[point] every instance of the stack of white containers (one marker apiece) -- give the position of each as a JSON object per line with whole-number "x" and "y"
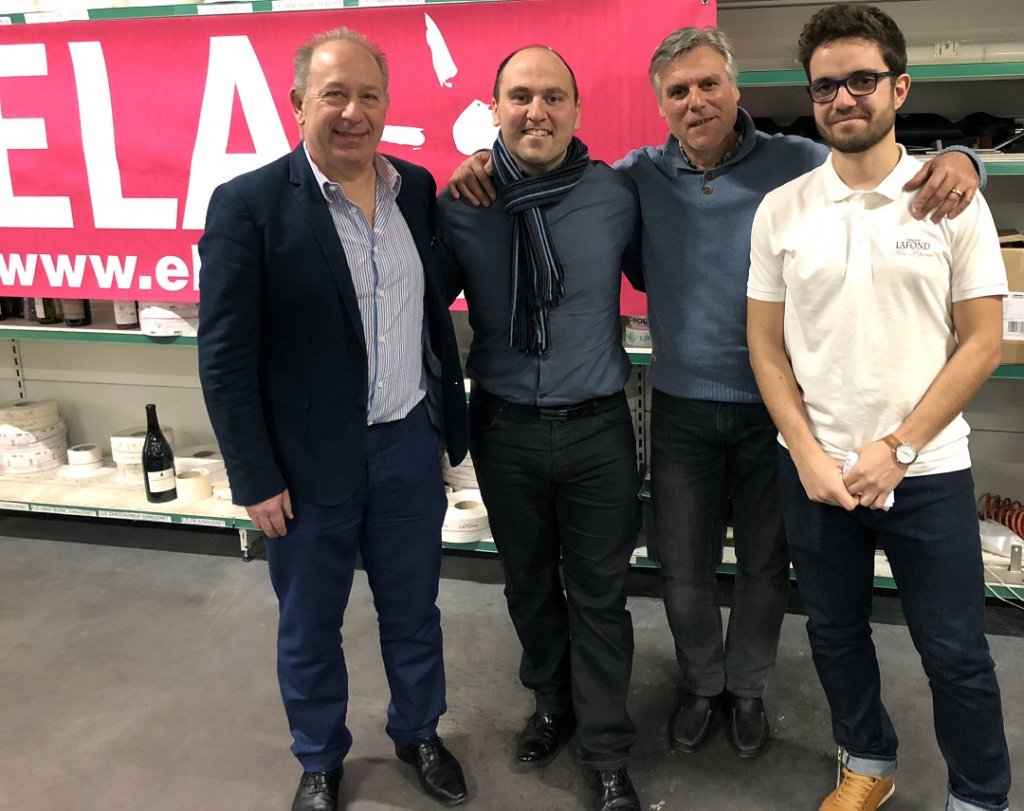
{"x": 126, "y": 451}
{"x": 33, "y": 437}
{"x": 466, "y": 518}
{"x": 168, "y": 319}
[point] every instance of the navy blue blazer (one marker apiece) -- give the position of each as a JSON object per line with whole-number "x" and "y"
{"x": 282, "y": 358}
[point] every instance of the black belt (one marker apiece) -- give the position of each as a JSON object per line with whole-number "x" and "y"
{"x": 531, "y": 413}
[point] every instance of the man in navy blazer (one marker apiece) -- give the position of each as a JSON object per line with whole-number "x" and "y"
{"x": 331, "y": 375}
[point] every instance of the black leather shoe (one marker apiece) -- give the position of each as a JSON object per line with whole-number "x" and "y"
{"x": 690, "y": 726}
{"x": 317, "y": 791}
{"x": 746, "y": 725}
{"x": 615, "y": 791}
{"x": 543, "y": 737}
{"x": 439, "y": 772}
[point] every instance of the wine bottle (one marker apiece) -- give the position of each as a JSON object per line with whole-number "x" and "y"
{"x": 77, "y": 312}
{"x": 157, "y": 461}
{"x": 12, "y": 307}
{"x": 126, "y": 314}
{"x": 46, "y": 311}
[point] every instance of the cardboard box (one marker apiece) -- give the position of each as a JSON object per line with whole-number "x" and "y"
{"x": 1013, "y": 307}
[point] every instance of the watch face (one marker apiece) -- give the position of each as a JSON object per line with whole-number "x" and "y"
{"x": 905, "y": 453}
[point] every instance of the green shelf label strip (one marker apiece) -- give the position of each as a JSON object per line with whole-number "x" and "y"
{"x": 953, "y": 71}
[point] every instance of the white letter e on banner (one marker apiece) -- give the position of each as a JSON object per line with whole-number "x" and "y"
{"x": 26, "y": 133}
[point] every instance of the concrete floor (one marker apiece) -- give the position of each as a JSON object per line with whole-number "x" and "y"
{"x": 136, "y": 678}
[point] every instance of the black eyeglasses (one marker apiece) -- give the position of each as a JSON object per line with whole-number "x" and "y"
{"x": 862, "y": 83}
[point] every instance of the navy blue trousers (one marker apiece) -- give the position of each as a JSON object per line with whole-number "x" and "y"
{"x": 394, "y": 522}
{"x": 930, "y": 537}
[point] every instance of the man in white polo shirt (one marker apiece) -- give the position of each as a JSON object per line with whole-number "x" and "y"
{"x": 869, "y": 331}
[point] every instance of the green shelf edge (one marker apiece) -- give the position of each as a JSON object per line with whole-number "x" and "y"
{"x": 961, "y": 71}
{"x": 484, "y": 548}
{"x": 1009, "y": 372}
{"x": 157, "y": 517}
{"x": 86, "y": 335}
{"x": 994, "y": 168}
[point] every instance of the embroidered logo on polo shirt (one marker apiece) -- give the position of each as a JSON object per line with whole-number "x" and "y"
{"x": 913, "y": 247}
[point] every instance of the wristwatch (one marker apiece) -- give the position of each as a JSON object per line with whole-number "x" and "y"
{"x": 905, "y": 453}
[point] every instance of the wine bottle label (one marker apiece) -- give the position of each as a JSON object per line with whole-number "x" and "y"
{"x": 161, "y": 480}
{"x": 125, "y": 313}
{"x": 74, "y": 309}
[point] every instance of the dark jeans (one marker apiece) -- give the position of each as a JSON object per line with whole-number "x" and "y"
{"x": 704, "y": 454}
{"x": 566, "y": 490}
{"x": 930, "y": 537}
{"x": 395, "y": 523}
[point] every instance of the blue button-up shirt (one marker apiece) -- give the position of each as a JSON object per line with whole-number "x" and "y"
{"x": 388, "y": 277}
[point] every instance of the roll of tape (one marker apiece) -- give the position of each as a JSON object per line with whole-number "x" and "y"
{"x": 461, "y": 482}
{"x": 448, "y": 489}
{"x": 193, "y": 485}
{"x": 126, "y": 444}
{"x": 210, "y": 451}
{"x": 28, "y": 414}
{"x": 466, "y": 536}
{"x": 30, "y": 459}
{"x": 82, "y": 470}
{"x": 169, "y": 327}
{"x": 13, "y": 437}
{"x": 465, "y": 466}
{"x": 466, "y": 512}
{"x": 168, "y": 309}
{"x": 205, "y": 456}
{"x": 85, "y": 455}
{"x": 131, "y": 473}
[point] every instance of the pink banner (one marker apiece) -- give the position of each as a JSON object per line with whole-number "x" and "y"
{"x": 114, "y": 134}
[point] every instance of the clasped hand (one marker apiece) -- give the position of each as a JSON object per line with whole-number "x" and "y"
{"x": 867, "y": 484}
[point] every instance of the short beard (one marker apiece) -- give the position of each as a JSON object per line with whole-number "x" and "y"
{"x": 878, "y": 128}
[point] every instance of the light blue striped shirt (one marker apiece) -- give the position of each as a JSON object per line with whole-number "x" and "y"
{"x": 388, "y": 278}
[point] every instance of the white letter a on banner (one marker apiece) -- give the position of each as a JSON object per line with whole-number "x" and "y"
{"x": 110, "y": 208}
{"x": 233, "y": 65}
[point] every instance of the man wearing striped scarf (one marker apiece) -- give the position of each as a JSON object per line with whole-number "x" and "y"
{"x": 550, "y": 432}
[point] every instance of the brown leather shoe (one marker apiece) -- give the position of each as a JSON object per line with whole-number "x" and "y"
{"x": 543, "y": 737}
{"x": 439, "y": 772}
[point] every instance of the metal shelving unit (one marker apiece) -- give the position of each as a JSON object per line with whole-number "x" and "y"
{"x": 996, "y": 163}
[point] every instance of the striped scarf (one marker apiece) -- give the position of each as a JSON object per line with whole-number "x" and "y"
{"x": 538, "y": 281}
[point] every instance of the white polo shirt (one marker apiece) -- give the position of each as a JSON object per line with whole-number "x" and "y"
{"x": 868, "y": 292}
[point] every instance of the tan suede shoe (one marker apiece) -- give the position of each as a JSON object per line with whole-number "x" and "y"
{"x": 859, "y": 792}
